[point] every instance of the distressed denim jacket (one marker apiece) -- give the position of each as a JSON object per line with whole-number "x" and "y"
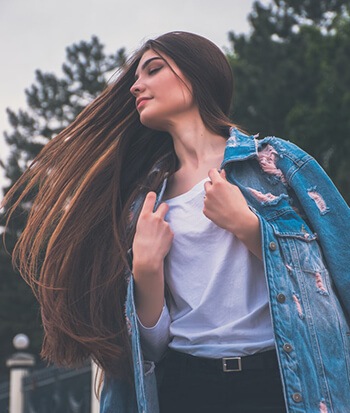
{"x": 305, "y": 230}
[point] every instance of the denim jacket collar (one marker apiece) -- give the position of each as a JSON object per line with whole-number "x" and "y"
{"x": 239, "y": 146}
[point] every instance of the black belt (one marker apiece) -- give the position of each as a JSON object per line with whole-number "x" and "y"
{"x": 258, "y": 361}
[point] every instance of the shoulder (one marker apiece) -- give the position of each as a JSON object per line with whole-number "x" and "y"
{"x": 271, "y": 146}
{"x": 285, "y": 149}
{"x": 283, "y": 145}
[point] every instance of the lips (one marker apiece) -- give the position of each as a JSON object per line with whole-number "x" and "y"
{"x": 141, "y": 101}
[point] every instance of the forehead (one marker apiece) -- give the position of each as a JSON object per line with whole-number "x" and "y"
{"x": 151, "y": 55}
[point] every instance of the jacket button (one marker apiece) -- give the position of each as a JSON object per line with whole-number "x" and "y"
{"x": 272, "y": 246}
{"x": 281, "y": 298}
{"x": 297, "y": 397}
{"x": 287, "y": 347}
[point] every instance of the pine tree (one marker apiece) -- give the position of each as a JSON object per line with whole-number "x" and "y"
{"x": 292, "y": 78}
{"x": 52, "y": 103}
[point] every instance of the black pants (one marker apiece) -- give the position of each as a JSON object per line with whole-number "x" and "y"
{"x": 192, "y": 387}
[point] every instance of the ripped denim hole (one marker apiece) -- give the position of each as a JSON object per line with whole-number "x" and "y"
{"x": 298, "y": 305}
{"x": 323, "y": 407}
{"x": 319, "y": 283}
{"x": 268, "y": 198}
{"x": 319, "y": 201}
{"x": 289, "y": 268}
{"x": 267, "y": 159}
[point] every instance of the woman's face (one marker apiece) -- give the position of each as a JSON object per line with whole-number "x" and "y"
{"x": 163, "y": 94}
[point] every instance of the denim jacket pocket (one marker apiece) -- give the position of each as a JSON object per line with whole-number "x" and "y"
{"x": 298, "y": 242}
{"x": 287, "y": 223}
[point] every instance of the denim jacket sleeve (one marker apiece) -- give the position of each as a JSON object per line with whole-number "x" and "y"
{"x": 325, "y": 208}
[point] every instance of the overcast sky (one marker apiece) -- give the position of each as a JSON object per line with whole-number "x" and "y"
{"x": 35, "y": 33}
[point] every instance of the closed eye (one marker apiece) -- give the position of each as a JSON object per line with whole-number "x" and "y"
{"x": 154, "y": 70}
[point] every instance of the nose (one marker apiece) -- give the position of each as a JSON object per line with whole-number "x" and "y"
{"x": 136, "y": 88}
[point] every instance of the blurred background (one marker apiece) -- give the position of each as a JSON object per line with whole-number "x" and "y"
{"x": 290, "y": 61}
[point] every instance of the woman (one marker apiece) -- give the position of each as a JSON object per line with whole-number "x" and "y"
{"x": 229, "y": 255}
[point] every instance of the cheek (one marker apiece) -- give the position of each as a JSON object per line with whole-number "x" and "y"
{"x": 175, "y": 92}
{"x": 178, "y": 100}
{"x": 181, "y": 91}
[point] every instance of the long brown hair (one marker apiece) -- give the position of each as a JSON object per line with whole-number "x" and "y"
{"x": 73, "y": 250}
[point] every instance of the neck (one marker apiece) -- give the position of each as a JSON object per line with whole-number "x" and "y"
{"x": 195, "y": 145}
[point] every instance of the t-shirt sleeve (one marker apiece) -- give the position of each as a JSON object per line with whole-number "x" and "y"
{"x": 155, "y": 340}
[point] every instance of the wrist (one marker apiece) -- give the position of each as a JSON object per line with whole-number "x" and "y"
{"x": 147, "y": 266}
{"x": 247, "y": 226}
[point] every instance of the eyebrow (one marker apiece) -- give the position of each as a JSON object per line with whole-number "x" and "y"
{"x": 147, "y": 62}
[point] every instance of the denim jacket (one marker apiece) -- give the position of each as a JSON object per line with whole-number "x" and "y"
{"x": 305, "y": 231}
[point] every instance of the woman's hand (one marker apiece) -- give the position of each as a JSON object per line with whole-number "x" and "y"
{"x": 153, "y": 235}
{"x": 152, "y": 242}
{"x": 225, "y": 205}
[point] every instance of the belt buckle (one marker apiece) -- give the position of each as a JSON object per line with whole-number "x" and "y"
{"x": 227, "y": 369}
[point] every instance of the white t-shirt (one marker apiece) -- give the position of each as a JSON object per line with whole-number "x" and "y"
{"x": 218, "y": 305}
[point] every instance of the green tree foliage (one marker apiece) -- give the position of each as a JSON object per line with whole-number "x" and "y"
{"x": 292, "y": 78}
{"x": 53, "y": 102}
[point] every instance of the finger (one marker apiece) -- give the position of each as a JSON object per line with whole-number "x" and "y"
{"x": 223, "y": 174}
{"x": 207, "y": 185}
{"x": 214, "y": 175}
{"x": 148, "y": 203}
{"x": 162, "y": 210}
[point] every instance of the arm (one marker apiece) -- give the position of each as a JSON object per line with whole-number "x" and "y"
{"x": 152, "y": 242}
{"x": 155, "y": 339}
{"x": 149, "y": 293}
{"x": 328, "y": 213}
